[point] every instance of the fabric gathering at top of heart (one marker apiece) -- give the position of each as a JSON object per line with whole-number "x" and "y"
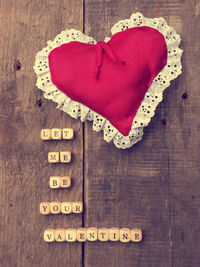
{"x": 117, "y": 82}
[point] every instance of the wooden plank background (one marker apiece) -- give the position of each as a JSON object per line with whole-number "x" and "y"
{"x": 154, "y": 185}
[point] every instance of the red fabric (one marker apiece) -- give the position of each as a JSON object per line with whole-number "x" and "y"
{"x": 111, "y": 79}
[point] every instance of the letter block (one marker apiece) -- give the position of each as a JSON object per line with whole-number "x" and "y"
{"x": 66, "y": 207}
{"x": 92, "y": 234}
{"x": 56, "y": 134}
{"x": 77, "y": 207}
{"x": 55, "y": 207}
{"x": 136, "y": 235}
{"x": 71, "y": 235}
{"x": 125, "y": 235}
{"x": 60, "y": 235}
{"x": 53, "y": 157}
{"x": 65, "y": 181}
{"x": 44, "y": 208}
{"x": 67, "y": 133}
{"x": 114, "y": 234}
{"x": 103, "y": 234}
{"x": 54, "y": 182}
{"x": 49, "y": 235}
{"x": 81, "y": 234}
{"x": 65, "y": 156}
{"x": 45, "y": 134}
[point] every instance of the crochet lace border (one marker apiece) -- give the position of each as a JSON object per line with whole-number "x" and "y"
{"x": 152, "y": 98}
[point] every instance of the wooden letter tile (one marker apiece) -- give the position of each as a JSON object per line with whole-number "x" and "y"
{"x": 114, "y": 234}
{"x": 136, "y": 235}
{"x": 66, "y": 207}
{"x": 65, "y": 181}
{"x": 53, "y": 157}
{"x": 68, "y": 133}
{"x": 44, "y": 208}
{"x": 54, "y": 182}
{"x": 56, "y": 134}
{"x": 92, "y": 234}
{"x": 125, "y": 235}
{"x": 81, "y": 234}
{"x": 60, "y": 235}
{"x": 71, "y": 235}
{"x": 55, "y": 207}
{"x": 103, "y": 234}
{"x": 45, "y": 134}
{"x": 65, "y": 157}
{"x": 77, "y": 207}
{"x": 49, "y": 235}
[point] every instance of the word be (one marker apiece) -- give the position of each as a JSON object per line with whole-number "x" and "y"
{"x": 93, "y": 234}
{"x": 56, "y": 157}
{"x": 61, "y": 207}
{"x": 59, "y": 182}
{"x": 57, "y": 134}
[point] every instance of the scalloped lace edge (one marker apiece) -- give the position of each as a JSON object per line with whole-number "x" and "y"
{"x": 153, "y": 97}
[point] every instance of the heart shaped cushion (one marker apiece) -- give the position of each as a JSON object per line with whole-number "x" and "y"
{"x": 95, "y": 76}
{"x": 117, "y": 84}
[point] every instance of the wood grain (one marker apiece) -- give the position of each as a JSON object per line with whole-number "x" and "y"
{"x": 25, "y": 28}
{"x": 153, "y": 185}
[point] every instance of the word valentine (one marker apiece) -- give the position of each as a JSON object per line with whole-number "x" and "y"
{"x": 60, "y": 207}
{"x": 57, "y": 134}
{"x": 93, "y": 234}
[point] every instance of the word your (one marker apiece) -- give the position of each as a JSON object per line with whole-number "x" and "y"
{"x": 93, "y": 234}
{"x": 57, "y": 134}
{"x": 61, "y": 207}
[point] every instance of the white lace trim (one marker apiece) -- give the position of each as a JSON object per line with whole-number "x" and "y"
{"x": 152, "y": 98}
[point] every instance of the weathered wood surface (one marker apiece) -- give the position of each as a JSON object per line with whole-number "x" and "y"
{"x": 154, "y": 185}
{"x": 25, "y": 28}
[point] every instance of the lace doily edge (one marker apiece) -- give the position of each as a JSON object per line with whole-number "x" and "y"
{"x": 141, "y": 119}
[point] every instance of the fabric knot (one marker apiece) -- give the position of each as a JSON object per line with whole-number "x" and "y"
{"x": 101, "y": 47}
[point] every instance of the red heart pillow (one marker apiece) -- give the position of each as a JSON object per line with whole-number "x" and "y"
{"x": 116, "y": 90}
{"x": 117, "y": 84}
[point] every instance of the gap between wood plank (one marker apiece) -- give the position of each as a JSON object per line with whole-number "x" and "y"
{"x": 83, "y": 164}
